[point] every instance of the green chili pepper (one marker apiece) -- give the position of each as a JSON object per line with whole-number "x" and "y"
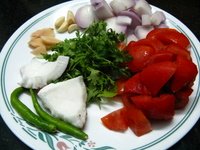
{"x": 61, "y": 125}
{"x": 27, "y": 114}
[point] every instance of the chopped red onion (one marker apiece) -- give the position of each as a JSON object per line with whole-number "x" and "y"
{"x": 142, "y": 31}
{"x": 112, "y": 23}
{"x": 142, "y": 7}
{"x": 119, "y": 5}
{"x": 85, "y": 16}
{"x": 131, "y": 37}
{"x": 101, "y": 9}
{"x": 157, "y": 18}
{"x": 124, "y": 20}
{"x": 146, "y": 20}
{"x": 135, "y": 18}
{"x": 162, "y": 25}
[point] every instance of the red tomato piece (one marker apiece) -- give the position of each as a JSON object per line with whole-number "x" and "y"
{"x": 130, "y": 45}
{"x": 153, "y": 43}
{"x": 182, "y": 97}
{"x": 136, "y": 119}
{"x": 185, "y": 73}
{"x": 155, "y": 76}
{"x": 161, "y": 56}
{"x": 134, "y": 86}
{"x": 141, "y": 55}
{"x": 116, "y": 120}
{"x": 120, "y": 86}
{"x": 169, "y": 36}
{"x": 161, "y": 108}
{"x": 177, "y": 50}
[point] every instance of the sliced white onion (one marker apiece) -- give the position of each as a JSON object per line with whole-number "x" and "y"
{"x": 119, "y": 5}
{"x": 157, "y": 18}
{"x": 146, "y": 20}
{"x": 142, "y": 7}
{"x": 101, "y": 9}
{"x": 142, "y": 31}
{"x": 112, "y": 23}
{"x": 135, "y": 18}
{"x": 85, "y": 16}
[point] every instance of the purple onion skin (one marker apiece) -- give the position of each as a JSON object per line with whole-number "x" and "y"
{"x": 136, "y": 20}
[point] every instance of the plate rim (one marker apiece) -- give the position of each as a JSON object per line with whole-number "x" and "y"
{"x": 25, "y": 27}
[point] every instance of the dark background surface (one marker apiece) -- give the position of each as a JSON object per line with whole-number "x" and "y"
{"x": 14, "y": 13}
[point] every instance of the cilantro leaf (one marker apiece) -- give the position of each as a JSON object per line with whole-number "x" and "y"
{"x": 94, "y": 55}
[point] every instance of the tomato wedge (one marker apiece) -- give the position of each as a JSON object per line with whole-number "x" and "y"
{"x": 120, "y": 86}
{"x": 134, "y": 86}
{"x": 136, "y": 119}
{"x": 153, "y": 43}
{"x": 169, "y": 36}
{"x": 155, "y": 76}
{"x": 115, "y": 120}
{"x": 160, "y": 56}
{"x": 182, "y": 97}
{"x": 177, "y": 50}
{"x": 185, "y": 73}
{"x": 141, "y": 55}
{"x": 161, "y": 108}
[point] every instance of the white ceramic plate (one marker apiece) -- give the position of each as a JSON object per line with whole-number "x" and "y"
{"x": 16, "y": 53}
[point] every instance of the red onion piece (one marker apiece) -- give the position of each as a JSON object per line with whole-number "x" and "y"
{"x": 112, "y": 23}
{"x": 146, "y": 20}
{"x": 124, "y": 20}
{"x": 131, "y": 37}
{"x": 119, "y": 5}
{"x": 157, "y": 18}
{"x": 85, "y": 16}
{"x": 142, "y": 31}
{"x": 101, "y": 9}
{"x": 135, "y": 18}
{"x": 162, "y": 25}
{"x": 142, "y": 7}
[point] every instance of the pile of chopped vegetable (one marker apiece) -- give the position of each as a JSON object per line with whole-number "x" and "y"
{"x": 153, "y": 72}
{"x": 163, "y": 75}
{"x": 95, "y": 55}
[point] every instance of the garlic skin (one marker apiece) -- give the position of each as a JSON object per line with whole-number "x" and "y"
{"x": 40, "y": 72}
{"x": 66, "y": 100}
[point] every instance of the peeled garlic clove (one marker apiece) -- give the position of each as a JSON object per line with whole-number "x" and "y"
{"x": 70, "y": 17}
{"x": 49, "y": 40}
{"x": 73, "y": 27}
{"x": 35, "y": 42}
{"x": 43, "y": 32}
{"x": 59, "y": 22}
{"x": 39, "y": 50}
{"x": 63, "y": 27}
